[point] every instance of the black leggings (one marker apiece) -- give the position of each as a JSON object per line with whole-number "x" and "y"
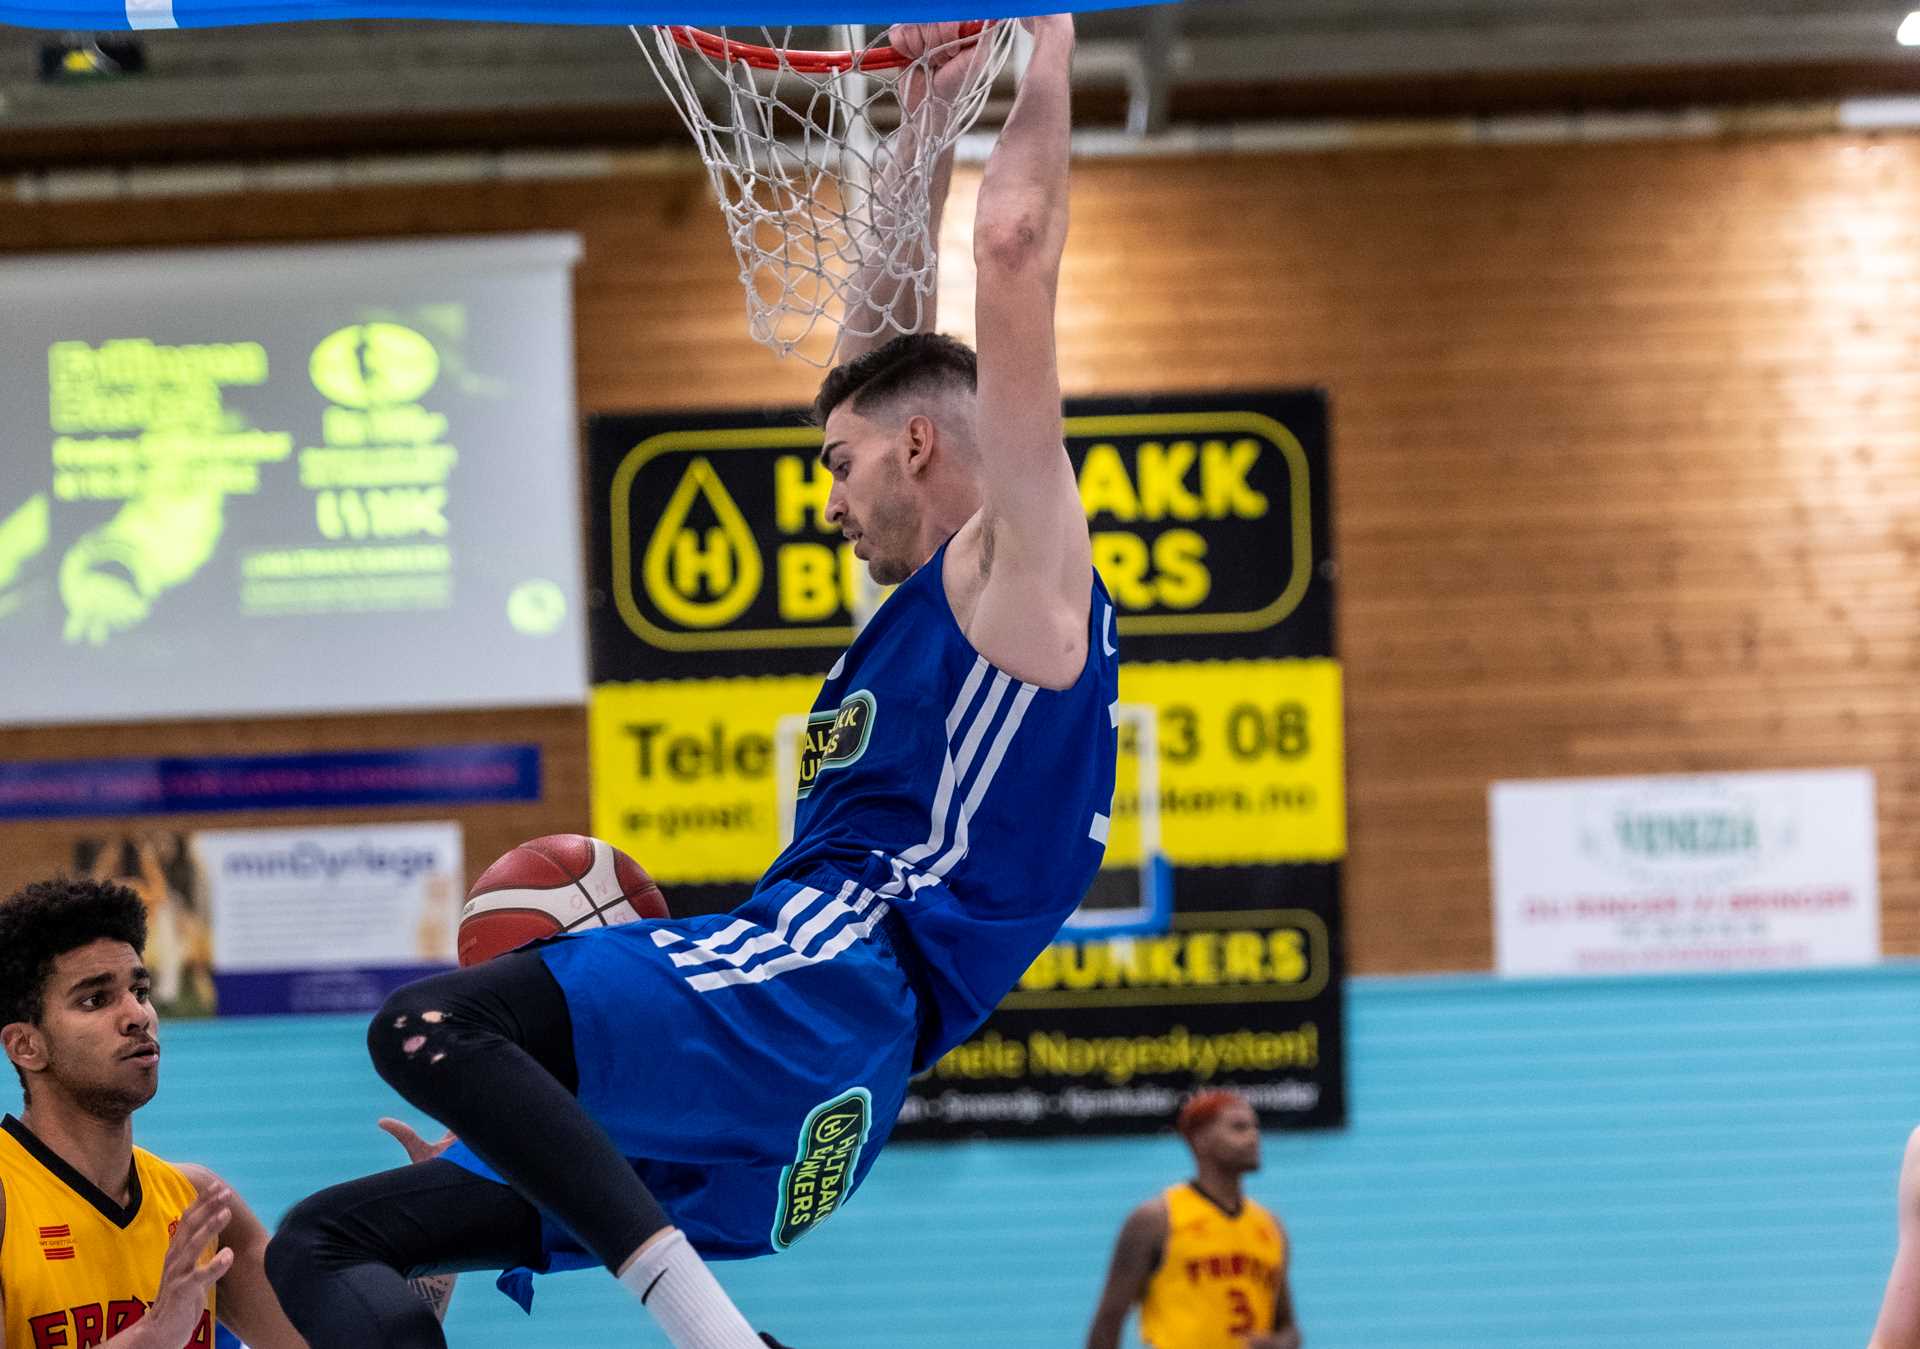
{"x": 488, "y": 1052}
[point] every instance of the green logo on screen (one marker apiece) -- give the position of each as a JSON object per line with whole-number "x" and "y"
{"x": 821, "y": 1176}
{"x": 373, "y": 365}
{"x": 536, "y": 608}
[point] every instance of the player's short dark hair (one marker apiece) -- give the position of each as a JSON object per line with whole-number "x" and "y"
{"x": 910, "y": 363}
{"x": 45, "y": 920}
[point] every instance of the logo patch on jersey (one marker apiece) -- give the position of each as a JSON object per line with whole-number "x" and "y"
{"x": 821, "y": 1176}
{"x": 56, "y": 1243}
{"x": 837, "y": 738}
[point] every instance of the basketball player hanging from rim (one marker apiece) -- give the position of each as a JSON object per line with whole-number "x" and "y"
{"x": 716, "y": 1086}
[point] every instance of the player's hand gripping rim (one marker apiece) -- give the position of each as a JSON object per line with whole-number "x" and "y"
{"x": 945, "y": 55}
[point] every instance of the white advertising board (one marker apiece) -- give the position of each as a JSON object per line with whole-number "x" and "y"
{"x": 1598, "y": 876}
{"x": 328, "y": 919}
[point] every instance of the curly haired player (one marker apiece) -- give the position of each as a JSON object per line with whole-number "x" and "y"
{"x": 102, "y": 1242}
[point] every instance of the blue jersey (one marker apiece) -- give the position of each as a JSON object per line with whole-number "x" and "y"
{"x": 974, "y": 805}
{"x": 950, "y": 819}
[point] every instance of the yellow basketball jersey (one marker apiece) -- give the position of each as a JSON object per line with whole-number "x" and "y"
{"x": 75, "y": 1267}
{"x": 1217, "y": 1277}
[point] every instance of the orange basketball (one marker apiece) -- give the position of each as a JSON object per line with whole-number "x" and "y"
{"x": 550, "y": 885}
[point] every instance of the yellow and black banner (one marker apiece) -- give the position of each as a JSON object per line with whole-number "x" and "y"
{"x": 1208, "y": 952}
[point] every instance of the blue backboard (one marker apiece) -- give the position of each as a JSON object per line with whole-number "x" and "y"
{"x": 104, "y": 15}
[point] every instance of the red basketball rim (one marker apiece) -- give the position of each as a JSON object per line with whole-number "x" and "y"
{"x": 728, "y": 50}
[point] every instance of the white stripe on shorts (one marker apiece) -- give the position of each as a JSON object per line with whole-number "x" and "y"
{"x": 707, "y": 950}
{"x": 710, "y": 980}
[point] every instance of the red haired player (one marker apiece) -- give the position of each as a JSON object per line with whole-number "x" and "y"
{"x": 1207, "y": 1265}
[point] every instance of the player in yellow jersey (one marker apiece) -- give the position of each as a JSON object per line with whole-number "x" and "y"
{"x": 101, "y": 1242}
{"x": 1207, "y": 1265}
{"x": 1899, "y": 1324}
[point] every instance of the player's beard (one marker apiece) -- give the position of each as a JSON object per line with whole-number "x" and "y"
{"x": 891, "y": 532}
{"x": 1235, "y": 1161}
{"x": 103, "y": 1099}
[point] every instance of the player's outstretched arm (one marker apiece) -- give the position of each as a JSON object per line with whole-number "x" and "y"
{"x": 1034, "y": 550}
{"x": 1899, "y": 1324}
{"x": 1142, "y": 1237}
{"x": 247, "y": 1304}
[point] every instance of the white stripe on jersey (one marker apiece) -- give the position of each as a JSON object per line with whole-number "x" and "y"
{"x": 903, "y": 865}
{"x": 965, "y": 721}
{"x": 959, "y": 708}
{"x": 952, "y": 856}
{"x": 971, "y": 745}
{"x": 950, "y": 771}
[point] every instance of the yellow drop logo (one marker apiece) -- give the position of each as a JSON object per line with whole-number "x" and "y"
{"x": 374, "y": 365}
{"x": 702, "y": 578}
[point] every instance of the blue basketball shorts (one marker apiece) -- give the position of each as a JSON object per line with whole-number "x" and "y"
{"x": 750, "y": 1064}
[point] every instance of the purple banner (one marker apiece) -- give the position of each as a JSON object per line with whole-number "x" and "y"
{"x": 278, "y": 992}
{"x": 439, "y": 775}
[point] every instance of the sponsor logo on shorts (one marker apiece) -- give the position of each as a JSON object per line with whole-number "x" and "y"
{"x": 821, "y": 1176}
{"x": 837, "y": 738}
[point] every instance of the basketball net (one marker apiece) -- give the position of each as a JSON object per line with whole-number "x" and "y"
{"x": 824, "y": 163}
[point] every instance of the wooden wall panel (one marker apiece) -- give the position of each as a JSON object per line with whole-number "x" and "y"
{"x": 1627, "y": 446}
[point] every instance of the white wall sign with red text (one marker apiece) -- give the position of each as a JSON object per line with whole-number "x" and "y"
{"x": 1599, "y": 876}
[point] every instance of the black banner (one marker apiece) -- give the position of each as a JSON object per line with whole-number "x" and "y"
{"x": 1208, "y": 952}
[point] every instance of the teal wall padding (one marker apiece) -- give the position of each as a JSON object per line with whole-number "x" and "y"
{"x": 1666, "y": 1163}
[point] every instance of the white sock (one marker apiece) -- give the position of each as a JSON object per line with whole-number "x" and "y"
{"x": 687, "y": 1302}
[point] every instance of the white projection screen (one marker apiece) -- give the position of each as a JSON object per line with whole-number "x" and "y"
{"x": 289, "y": 480}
